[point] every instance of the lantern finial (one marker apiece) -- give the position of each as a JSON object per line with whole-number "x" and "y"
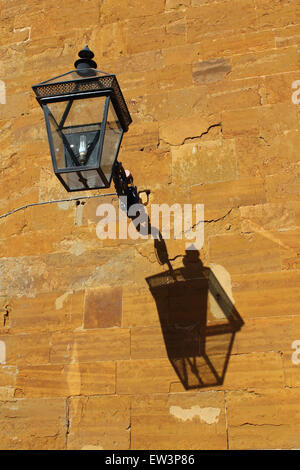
{"x": 85, "y": 61}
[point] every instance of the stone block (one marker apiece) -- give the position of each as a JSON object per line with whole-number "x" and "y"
{"x": 207, "y": 162}
{"x": 155, "y": 32}
{"x": 147, "y": 343}
{"x": 237, "y": 98}
{"x": 265, "y": 334}
{"x": 139, "y": 308}
{"x": 287, "y": 36}
{"x": 47, "y": 312}
{"x": 178, "y": 131}
{"x": 193, "y": 421}
{"x": 183, "y": 54}
{"x": 90, "y": 346}
{"x": 64, "y": 381}
{"x": 172, "y": 77}
{"x": 206, "y": 20}
{"x": 248, "y": 253}
{"x": 288, "y": 241}
{"x": 278, "y": 87}
{"x": 113, "y": 11}
{"x": 26, "y": 349}
{"x": 267, "y": 294}
{"x": 270, "y": 216}
{"x": 103, "y": 308}
{"x": 263, "y": 419}
{"x": 143, "y": 166}
{"x": 276, "y": 14}
{"x": 33, "y": 424}
{"x": 219, "y": 198}
{"x": 8, "y": 375}
{"x": 141, "y": 136}
{"x": 16, "y": 105}
{"x": 282, "y": 187}
{"x": 261, "y": 370}
{"x": 144, "y": 376}
{"x": 264, "y": 63}
{"x": 101, "y": 423}
{"x": 267, "y": 155}
{"x": 235, "y": 43}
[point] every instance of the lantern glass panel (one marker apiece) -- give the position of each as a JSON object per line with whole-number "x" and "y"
{"x": 112, "y": 141}
{"x": 80, "y": 180}
{"x": 76, "y": 130}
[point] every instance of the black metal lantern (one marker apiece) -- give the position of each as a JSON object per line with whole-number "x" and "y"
{"x": 86, "y": 116}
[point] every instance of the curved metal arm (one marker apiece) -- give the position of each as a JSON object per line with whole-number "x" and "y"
{"x": 124, "y": 185}
{"x": 120, "y": 180}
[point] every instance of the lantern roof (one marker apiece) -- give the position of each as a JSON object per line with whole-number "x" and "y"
{"x": 84, "y": 83}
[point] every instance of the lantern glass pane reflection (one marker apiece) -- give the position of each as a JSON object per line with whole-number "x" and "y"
{"x": 112, "y": 141}
{"x": 71, "y": 120}
{"x": 76, "y": 129}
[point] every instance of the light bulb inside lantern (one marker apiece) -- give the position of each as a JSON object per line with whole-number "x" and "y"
{"x": 82, "y": 149}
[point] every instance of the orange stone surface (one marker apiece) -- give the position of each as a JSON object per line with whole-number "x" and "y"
{"x": 99, "y": 347}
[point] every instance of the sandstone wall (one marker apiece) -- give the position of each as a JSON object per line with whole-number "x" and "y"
{"x": 83, "y": 356}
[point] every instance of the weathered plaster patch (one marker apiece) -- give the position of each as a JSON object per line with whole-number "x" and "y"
{"x": 21, "y": 30}
{"x": 2, "y": 92}
{"x": 7, "y": 393}
{"x": 78, "y": 215}
{"x": 224, "y": 279}
{"x": 10, "y": 370}
{"x": 77, "y": 248}
{"x": 64, "y": 205}
{"x": 12, "y": 406}
{"x": 209, "y": 415}
{"x": 61, "y": 300}
{"x": 29, "y": 295}
{"x": 2, "y": 352}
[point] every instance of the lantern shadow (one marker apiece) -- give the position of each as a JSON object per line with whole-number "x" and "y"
{"x": 198, "y": 319}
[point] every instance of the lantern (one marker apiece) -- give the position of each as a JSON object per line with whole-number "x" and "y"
{"x": 86, "y": 116}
